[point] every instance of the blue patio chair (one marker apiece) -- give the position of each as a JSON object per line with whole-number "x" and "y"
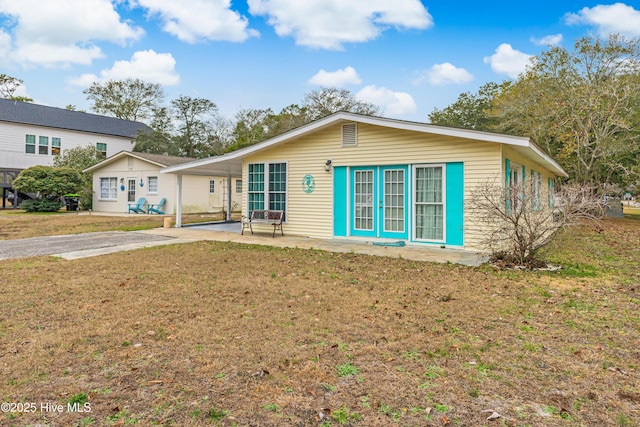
{"x": 138, "y": 207}
{"x": 157, "y": 208}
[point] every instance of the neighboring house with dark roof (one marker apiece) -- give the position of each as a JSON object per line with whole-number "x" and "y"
{"x": 126, "y": 177}
{"x": 32, "y": 135}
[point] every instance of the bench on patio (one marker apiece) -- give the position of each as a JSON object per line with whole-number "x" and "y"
{"x": 265, "y": 217}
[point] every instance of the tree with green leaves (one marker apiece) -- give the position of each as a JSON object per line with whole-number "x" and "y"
{"x": 81, "y": 158}
{"x": 8, "y": 86}
{"x": 582, "y": 106}
{"x": 471, "y": 110}
{"x": 49, "y": 184}
{"x": 129, "y": 99}
{"x": 195, "y": 119}
{"x": 159, "y": 140}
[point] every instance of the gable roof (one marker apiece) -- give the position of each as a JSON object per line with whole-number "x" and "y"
{"x": 40, "y": 115}
{"x": 231, "y": 163}
{"x": 156, "y": 159}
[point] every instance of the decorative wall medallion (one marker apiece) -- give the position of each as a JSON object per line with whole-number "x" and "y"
{"x": 308, "y": 184}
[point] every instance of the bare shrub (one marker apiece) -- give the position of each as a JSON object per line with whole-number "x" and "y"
{"x": 516, "y": 221}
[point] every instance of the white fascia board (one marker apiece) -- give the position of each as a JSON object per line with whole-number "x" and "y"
{"x": 517, "y": 141}
{"x": 292, "y": 134}
{"x": 119, "y": 155}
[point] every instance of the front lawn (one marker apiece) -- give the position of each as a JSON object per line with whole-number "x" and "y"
{"x": 230, "y": 334}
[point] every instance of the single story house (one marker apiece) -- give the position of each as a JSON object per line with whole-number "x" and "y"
{"x": 363, "y": 177}
{"x": 125, "y": 177}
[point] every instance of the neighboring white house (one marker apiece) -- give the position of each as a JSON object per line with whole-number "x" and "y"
{"x": 32, "y": 135}
{"x": 127, "y": 176}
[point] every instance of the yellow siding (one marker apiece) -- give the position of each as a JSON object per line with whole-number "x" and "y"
{"x": 312, "y": 214}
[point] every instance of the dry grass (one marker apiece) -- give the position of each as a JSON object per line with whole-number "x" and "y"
{"x": 18, "y": 225}
{"x": 230, "y": 334}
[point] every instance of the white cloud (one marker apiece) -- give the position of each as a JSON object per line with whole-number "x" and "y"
{"x": 507, "y": 60}
{"x": 550, "y": 40}
{"x": 200, "y": 20}
{"x": 146, "y": 65}
{"x": 59, "y": 33}
{"x": 608, "y": 19}
{"x": 339, "y": 78}
{"x": 328, "y": 24}
{"x": 444, "y": 74}
{"x": 392, "y": 103}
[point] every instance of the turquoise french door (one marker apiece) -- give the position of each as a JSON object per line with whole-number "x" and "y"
{"x": 379, "y": 202}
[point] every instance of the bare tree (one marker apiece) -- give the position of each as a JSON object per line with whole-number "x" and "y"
{"x": 516, "y": 221}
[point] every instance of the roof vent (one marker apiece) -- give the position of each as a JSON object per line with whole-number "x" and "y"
{"x": 349, "y": 135}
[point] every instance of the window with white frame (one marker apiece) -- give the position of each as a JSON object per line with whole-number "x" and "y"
{"x": 515, "y": 183}
{"x": 429, "y": 203}
{"x": 238, "y": 186}
{"x": 109, "y": 188}
{"x": 152, "y": 184}
{"x": 212, "y": 186}
{"x": 30, "y": 144}
{"x": 102, "y": 147}
{"x": 55, "y": 146}
{"x": 267, "y": 186}
{"x": 43, "y": 145}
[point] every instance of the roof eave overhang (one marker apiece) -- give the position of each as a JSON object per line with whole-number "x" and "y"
{"x": 235, "y": 157}
{"x": 119, "y": 155}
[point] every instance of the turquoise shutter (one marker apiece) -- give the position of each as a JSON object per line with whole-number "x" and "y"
{"x": 507, "y": 181}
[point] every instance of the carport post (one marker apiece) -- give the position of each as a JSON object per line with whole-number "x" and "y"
{"x": 230, "y": 198}
{"x": 179, "y": 201}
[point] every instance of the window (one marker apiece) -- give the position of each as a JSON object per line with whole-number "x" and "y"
{"x": 256, "y": 187}
{"x": 238, "y": 186}
{"x": 43, "y": 145}
{"x": 550, "y": 192}
{"x": 102, "y": 147}
{"x": 212, "y": 186}
{"x": 267, "y": 187}
{"x": 535, "y": 190}
{"x": 30, "y": 144}
{"x": 55, "y": 146}
{"x": 515, "y": 185}
{"x": 277, "y": 186}
{"x": 152, "y": 184}
{"x": 109, "y": 188}
{"x": 429, "y": 203}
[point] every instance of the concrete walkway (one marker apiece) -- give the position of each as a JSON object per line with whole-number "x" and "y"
{"x": 231, "y": 233}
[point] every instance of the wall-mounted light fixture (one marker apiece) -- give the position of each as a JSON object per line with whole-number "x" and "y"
{"x": 121, "y": 180}
{"x": 141, "y": 183}
{"x": 327, "y": 165}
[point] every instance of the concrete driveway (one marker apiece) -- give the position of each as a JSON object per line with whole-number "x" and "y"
{"x": 74, "y": 246}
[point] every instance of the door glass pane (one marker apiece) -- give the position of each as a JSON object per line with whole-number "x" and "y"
{"x": 131, "y": 190}
{"x": 394, "y": 200}
{"x": 429, "y": 210}
{"x": 363, "y": 200}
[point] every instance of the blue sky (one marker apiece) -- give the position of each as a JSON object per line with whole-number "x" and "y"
{"x": 407, "y": 56}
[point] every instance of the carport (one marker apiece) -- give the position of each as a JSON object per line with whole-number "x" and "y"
{"x": 228, "y": 165}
